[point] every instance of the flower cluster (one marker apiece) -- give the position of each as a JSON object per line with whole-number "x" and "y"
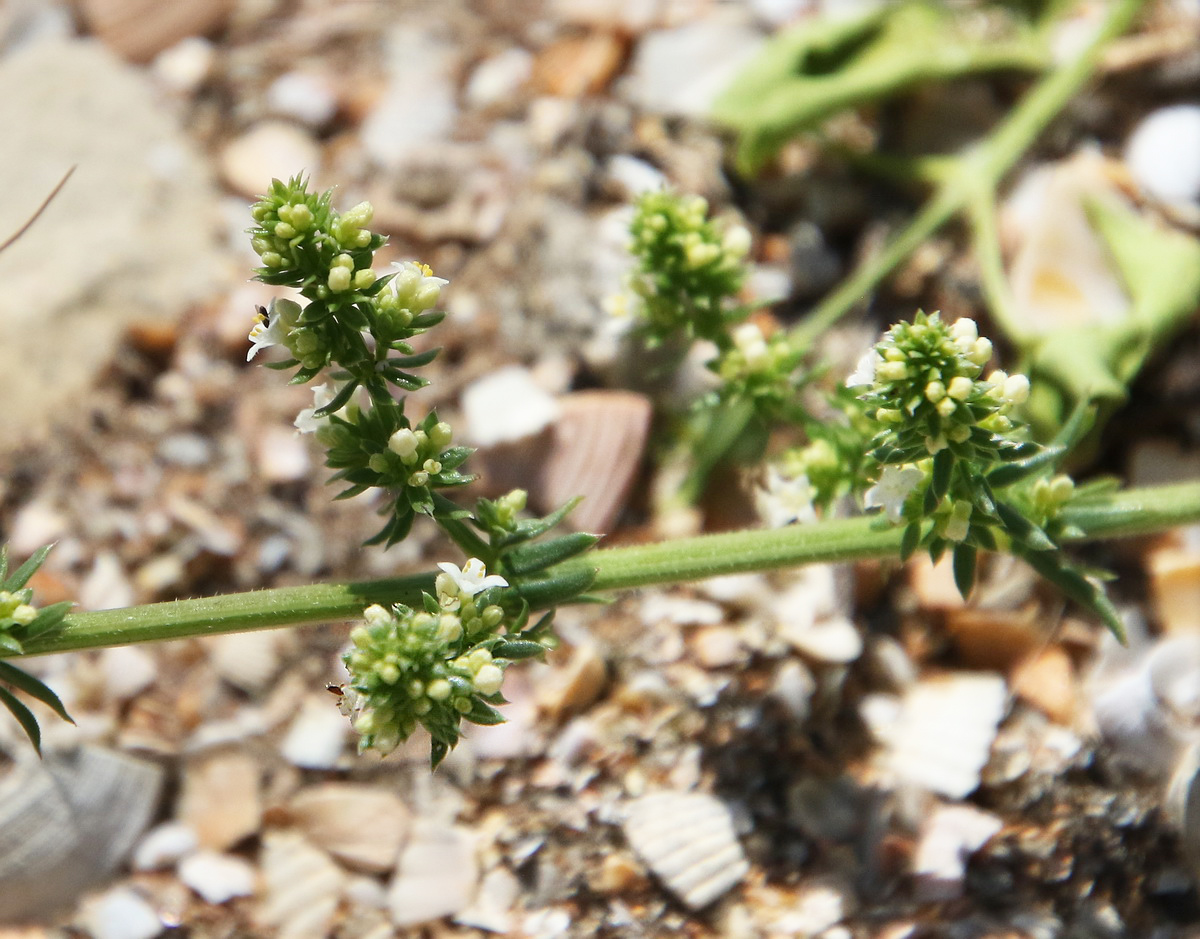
{"x": 687, "y": 267}
{"x": 436, "y": 666}
{"x": 947, "y": 439}
{"x": 358, "y": 327}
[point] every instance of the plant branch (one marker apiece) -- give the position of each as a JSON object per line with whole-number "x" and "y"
{"x": 1134, "y": 512}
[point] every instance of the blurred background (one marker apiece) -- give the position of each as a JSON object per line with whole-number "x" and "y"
{"x": 210, "y": 788}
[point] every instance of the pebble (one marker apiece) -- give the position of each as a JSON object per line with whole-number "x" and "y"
{"x": 248, "y": 661}
{"x": 1163, "y": 154}
{"x": 437, "y": 874}
{"x": 680, "y": 72}
{"x": 718, "y": 647}
{"x": 306, "y": 97}
{"x": 688, "y": 841}
{"x": 362, "y": 826}
{"x": 270, "y": 149}
{"x": 1046, "y": 680}
{"x": 950, "y": 834}
{"x": 164, "y": 845}
{"x": 317, "y": 737}
{"x": 106, "y": 587}
{"x": 301, "y": 887}
{"x": 574, "y": 687}
{"x": 185, "y": 66}
{"x": 217, "y": 878}
{"x": 794, "y": 687}
{"x": 140, "y": 29}
{"x": 417, "y": 108}
{"x": 664, "y": 607}
{"x": 497, "y": 79}
{"x": 220, "y": 798}
{"x": 185, "y": 449}
{"x": 818, "y": 908}
{"x": 938, "y": 735}
{"x": 128, "y": 671}
{"x": 37, "y": 524}
{"x": 834, "y": 640}
{"x": 120, "y": 913}
{"x": 492, "y": 909}
{"x": 505, "y": 406}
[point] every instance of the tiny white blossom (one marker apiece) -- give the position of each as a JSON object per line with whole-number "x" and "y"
{"x": 472, "y": 578}
{"x": 895, "y": 485}
{"x": 864, "y": 371}
{"x": 785, "y": 499}
{"x": 306, "y": 421}
{"x": 414, "y": 287}
{"x": 273, "y": 327}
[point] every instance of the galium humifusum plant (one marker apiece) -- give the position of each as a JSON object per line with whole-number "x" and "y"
{"x": 926, "y": 433}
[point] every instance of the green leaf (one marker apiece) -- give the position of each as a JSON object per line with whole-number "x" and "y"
{"x": 530, "y": 528}
{"x": 21, "y": 575}
{"x": 1079, "y": 588}
{"x": 939, "y": 483}
{"x": 24, "y": 717}
{"x": 484, "y": 714}
{"x": 414, "y": 361}
{"x": 33, "y": 687}
{"x": 1022, "y": 530}
{"x": 910, "y": 541}
{"x": 964, "y": 569}
{"x": 10, "y": 645}
{"x": 518, "y": 649}
{"x": 530, "y": 558}
{"x": 558, "y": 588}
{"x": 1017, "y": 470}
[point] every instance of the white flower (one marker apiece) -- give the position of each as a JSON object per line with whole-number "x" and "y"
{"x": 472, "y": 578}
{"x": 414, "y": 287}
{"x": 306, "y": 421}
{"x": 785, "y": 499}
{"x": 894, "y": 486}
{"x": 958, "y": 525}
{"x": 488, "y": 679}
{"x": 864, "y": 371}
{"x": 273, "y": 327}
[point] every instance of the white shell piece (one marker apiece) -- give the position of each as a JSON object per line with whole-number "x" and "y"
{"x": 949, "y": 836}
{"x": 941, "y": 733}
{"x": 217, "y": 878}
{"x": 437, "y": 874}
{"x": 688, "y": 840}
{"x": 301, "y": 886}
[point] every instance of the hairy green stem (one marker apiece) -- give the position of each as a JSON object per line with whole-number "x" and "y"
{"x": 1136, "y": 511}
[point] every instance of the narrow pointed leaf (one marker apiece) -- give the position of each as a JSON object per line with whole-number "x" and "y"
{"x": 964, "y": 569}
{"x": 24, "y": 717}
{"x": 25, "y": 682}
{"x": 21, "y": 575}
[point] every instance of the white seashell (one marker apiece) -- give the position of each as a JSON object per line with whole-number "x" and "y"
{"x": 120, "y": 913}
{"x": 246, "y": 660}
{"x": 834, "y": 640}
{"x": 505, "y": 406}
{"x": 939, "y": 734}
{"x": 1149, "y": 711}
{"x": 66, "y": 822}
{"x": 363, "y": 826}
{"x": 688, "y": 840}
{"x": 301, "y": 886}
{"x": 436, "y": 875}
{"x": 217, "y": 878}
{"x": 164, "y": 845}
{"x": 949, "y": 836}
{"x": 1163, "y": 153}
{"x": 221, "y": 797}
{"x": 317, "y": 735}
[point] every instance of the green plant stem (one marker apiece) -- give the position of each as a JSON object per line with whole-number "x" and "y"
{"x": 1134, "y": 512}
{"x": 981, "y": 169}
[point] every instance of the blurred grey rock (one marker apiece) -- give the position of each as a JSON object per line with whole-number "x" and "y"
{"x": 132, "y": 235}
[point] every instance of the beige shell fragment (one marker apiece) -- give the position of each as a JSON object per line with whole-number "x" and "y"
{"x": 688, "y": 840}
{"x": 363, "y": 826}
{"x": 938, "y": 736}
{"x": 301, "y": 886}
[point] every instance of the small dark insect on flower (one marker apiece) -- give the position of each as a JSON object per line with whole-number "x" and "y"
{"x": 338, "y": 691}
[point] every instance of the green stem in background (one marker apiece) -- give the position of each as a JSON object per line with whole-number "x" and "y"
{"x": 1134, "y": 512}
{"x": 980, "y": 170}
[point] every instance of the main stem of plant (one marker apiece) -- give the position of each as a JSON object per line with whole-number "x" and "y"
{"x": 1135, "y": 512}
